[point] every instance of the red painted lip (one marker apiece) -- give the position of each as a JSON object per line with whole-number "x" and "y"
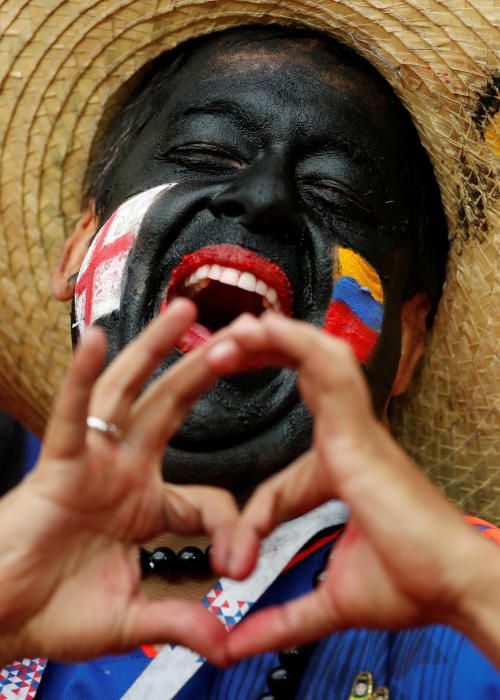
{"x": 234, "y": 256}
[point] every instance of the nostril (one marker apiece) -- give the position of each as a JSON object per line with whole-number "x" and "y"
{"x": 232, "y": 209}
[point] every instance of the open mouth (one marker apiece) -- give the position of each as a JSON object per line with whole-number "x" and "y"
{"x": 225, "y": 281}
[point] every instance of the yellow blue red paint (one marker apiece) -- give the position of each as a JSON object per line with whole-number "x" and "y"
{"x": 356, "y": 309}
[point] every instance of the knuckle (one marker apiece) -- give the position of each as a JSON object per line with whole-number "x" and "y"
{"x": 335, "y": 360}
{"x": 261, "y": 496}
{"x": 152, "y": 354}
{"x": 344, "y": 352}
{"x": 315, "y": 349}
{"x": 106, "y": 395}
{"x": 330, "y": 350}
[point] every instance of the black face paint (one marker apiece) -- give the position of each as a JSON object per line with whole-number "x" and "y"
{"x": 288, "y": 154}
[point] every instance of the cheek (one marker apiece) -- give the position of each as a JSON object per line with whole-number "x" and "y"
{"x": 356, "y": 308}
{"x": 99, "y": 283}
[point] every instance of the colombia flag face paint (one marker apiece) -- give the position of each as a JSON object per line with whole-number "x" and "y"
{"x": 356, "y": 308}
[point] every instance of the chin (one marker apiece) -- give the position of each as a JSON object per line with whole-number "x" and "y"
{"x": 240, "y": 467}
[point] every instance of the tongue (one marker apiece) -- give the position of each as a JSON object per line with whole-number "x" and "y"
{"x": 194, "y": 337}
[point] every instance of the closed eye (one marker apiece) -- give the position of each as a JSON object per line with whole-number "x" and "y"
{"x": 334, "y": 192}
{"x": 204, "y": 155}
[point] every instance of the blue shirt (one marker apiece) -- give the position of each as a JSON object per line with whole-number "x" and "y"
{"x": 429, "y": 663}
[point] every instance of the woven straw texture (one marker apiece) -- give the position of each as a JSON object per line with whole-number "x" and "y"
{"x": 61, "y": 65}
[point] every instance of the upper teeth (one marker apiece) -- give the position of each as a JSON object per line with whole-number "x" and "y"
{"x": 234, "y": 278}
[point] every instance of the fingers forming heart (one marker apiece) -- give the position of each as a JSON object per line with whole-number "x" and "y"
{"x": 346, "y": 438}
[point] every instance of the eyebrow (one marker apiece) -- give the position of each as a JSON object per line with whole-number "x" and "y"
{"x": 336, "y": 145}
{"x": 225, "y": 108}
{"x": 249, "y": 122}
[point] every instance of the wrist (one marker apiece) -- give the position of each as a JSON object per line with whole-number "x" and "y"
{"x": 477, "y": 614}
{"x": 25, "y": 572}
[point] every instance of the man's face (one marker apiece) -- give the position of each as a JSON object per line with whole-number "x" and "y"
{"x": 289, "y": 172}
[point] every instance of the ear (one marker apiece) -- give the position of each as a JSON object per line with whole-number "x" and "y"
{"x": 73, "y": 253}
{"x": 413, "y": 332}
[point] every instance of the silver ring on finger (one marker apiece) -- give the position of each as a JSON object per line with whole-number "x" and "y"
{"x": 109, "y": 429}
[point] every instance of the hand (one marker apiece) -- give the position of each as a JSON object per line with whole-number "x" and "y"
{"x": 69, "y": 571}
{"x": 407, "y": 558}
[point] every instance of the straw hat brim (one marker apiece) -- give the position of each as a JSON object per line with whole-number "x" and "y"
{"x": 63, "y": 67}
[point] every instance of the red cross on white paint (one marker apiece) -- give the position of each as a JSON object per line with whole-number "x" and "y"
{"x": 99, "y": 284}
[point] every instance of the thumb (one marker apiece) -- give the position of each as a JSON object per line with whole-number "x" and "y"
{"x": 175, "y": 621}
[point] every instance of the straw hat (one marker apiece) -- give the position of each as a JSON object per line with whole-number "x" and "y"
{"x": 62, "y": 63}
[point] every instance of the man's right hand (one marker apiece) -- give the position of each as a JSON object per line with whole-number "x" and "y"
{"x": 69, "y": 534}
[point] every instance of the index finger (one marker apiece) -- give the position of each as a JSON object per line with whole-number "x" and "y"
{"x": 67, "y": 428}
{"x": 120, "y": 383}
{"x": 159, "y": 411}
{"x": 326, "y": 364}
{"x": 292, "y": 492}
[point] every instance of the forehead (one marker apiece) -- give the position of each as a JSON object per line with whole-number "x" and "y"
{"x": 282, "y": 65}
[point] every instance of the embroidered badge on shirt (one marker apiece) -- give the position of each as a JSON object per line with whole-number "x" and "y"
{"x": 362, "y": 688}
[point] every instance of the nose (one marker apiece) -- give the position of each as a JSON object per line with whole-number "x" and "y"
{"x": 262, "y": 198}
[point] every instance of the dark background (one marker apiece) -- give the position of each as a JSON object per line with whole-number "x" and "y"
{"x": 18, "y": 452}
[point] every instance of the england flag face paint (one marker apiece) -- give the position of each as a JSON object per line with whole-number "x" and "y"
{"x": 98, "y": 287}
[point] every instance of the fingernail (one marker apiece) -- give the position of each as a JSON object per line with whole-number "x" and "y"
{"x": 223, "y": 350}
{"x": 218, "y": 551}
{"x": 178, "y": 301}
{"x": 228, "y": 559}
{"x": 233, "y": 565}
{"x": 241, "y": 549}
